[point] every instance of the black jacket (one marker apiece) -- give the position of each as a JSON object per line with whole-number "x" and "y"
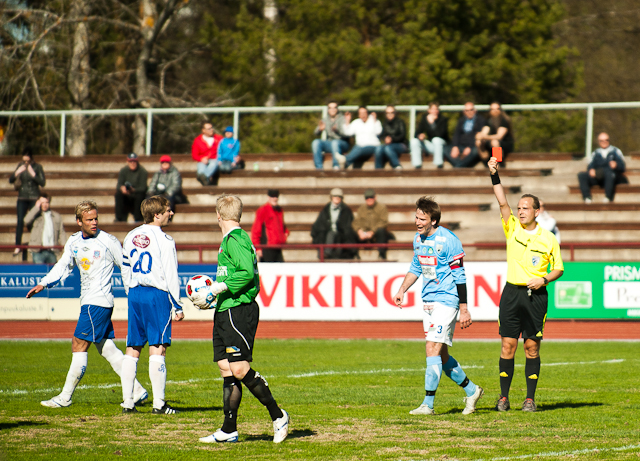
{"x": 346, "y": 234}
{"x": 395, "y": 128}
{"x": 462, "y": 139}
{"x": 441, "y": 129}
{"x": 30, "y": 187}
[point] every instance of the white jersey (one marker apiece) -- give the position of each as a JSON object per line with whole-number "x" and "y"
{"x": 149, "y": 259}
{"x": 95, "y": 258}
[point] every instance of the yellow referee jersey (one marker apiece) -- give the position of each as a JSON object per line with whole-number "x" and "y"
{"x": 530, "y": 255}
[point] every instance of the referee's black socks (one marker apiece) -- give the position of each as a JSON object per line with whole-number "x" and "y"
{"x": 532, "y": 372}
{"x": 260, "y": 389}
{"x": 506, "y": 375}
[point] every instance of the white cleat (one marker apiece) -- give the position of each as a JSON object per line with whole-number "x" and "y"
{"x": 140, "y": 397}
{"x": 470, "y": 402}
{"x": 281, "y": 428}
{"x": 422, "y": 410}
{"x": 56, "y": 402}
{"x": 220, "y": 437}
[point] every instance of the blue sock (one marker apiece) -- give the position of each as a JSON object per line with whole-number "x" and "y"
{"x": 432, "y": 379}
{"x": 454, "y": 371}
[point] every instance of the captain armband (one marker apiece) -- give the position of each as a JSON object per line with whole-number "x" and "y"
{"x": 462, "y": 293}
{"x": 495, "y": 179}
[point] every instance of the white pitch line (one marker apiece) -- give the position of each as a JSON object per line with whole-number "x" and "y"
{"x": 549, "y": 454}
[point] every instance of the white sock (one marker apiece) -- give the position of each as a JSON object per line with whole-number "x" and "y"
{"x": 127, "y": 378}
{"x": 158, "y": 377}
{"x": 76, "y": 372}
{"x": 108, "y": 349}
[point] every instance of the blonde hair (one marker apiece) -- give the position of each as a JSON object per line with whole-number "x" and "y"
{"x": 84, "y": 207}
{"x": 229, "y": 207}
{"x": 153, "y": 206}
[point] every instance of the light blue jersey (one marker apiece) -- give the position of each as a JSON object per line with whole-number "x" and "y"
{"x": 438, "y": 259}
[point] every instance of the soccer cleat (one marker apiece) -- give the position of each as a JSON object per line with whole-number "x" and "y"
{"x": 422, "y": 410}
{"x": 529, "y": 405}
{"x": 141, "y": 397}
{"x": 165, "y": 410}
{"x": 56, "y": 402}
{"x": 220, "y": 437}
{"x": 503, "y": 404}
{"x": 470, "y": 402}
{"x": 281, "y": 428}
{"x": 129, "y": 411}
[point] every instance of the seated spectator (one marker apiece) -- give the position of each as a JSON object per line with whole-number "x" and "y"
{"x": 606, "y": 169}
{"x": 269, "y": 229}
{"x": 334, "y": 225}
{"x": 204, "y": 150}
{"x": 27, "y": 179}
{"x": 496, "y": 133}
{"x": 131, "y": 190}
{"x": 366, "y": 129}
{"x": 464, "y": 152}
{"x": 168, "y": 183}
{"x": 229, "y": 152}
{"x": 394, "y": 140}
{"x": 432, "y": 136}
{"x": 336, "y": 142}
{"x": 371, "y": 222}
{"x": 548, "y": 222}
{"x": 47, "y": 230}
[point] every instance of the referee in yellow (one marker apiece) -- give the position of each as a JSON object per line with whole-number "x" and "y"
{"x": 533, "y": 260}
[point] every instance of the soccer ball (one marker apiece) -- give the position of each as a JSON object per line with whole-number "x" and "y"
{"x": 199, "y": 293}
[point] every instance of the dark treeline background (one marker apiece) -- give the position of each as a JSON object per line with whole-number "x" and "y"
{"x": 95, "y": 54}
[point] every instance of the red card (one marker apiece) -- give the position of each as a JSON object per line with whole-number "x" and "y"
{"x": 497, "y": 153}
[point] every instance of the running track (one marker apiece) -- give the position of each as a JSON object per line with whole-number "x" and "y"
{"x": 555, "y": 329}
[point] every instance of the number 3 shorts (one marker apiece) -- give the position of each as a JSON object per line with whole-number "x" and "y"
{"x": 439, "y": 323}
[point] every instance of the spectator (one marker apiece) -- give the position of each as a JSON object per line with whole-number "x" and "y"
{"x": 336, "y": 141}
{"x": 496, "y": 133}
{"x": 464, "y": 152}
{"x": 167, "y": 182}
{"x": 394, "y": 140}
{"x": 228, "y": 152}
{"x": 46, "y": 230}
{"x": 548, "y": 222}
{"x": 27, "y": 179}
{"x": 371, "y": 222}
{"x": 432, "y": 136}
{"x": 366, "y": 128}
{"x": 605, "y": 169}
{"x": 269, "y": 229}
{"x": 204, "y": 150}
{"x": 334, "y": 225}
{"x": 131, "y": 189}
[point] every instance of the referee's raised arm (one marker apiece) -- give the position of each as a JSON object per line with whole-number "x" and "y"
{"x": 498, "y": 190}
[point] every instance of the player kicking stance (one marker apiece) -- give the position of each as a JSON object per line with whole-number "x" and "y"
{"x": 94, "y": 252}
{"x": 235, "y": 323}
{"x": 438, "y": 258}
{"x": 150, "y": 276}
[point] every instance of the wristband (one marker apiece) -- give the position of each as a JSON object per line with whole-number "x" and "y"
{"x": 495, "y": 179}
{"x": 546, "y": 282}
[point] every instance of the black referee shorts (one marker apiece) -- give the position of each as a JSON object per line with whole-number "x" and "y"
{"x": 234, "y": 332}
{"x": 522, "y": 313}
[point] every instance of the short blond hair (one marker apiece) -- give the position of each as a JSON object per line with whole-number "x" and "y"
{"x": 152, "y": 206}
{"x": 84, "y": 207}
{"x": 229, "y": 207}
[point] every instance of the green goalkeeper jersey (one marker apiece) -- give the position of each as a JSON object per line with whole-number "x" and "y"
{"x": 238, "y": 268}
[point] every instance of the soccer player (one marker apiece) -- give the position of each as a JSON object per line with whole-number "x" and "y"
{"x": 235, "y": 323}
{"x": 95, "y": 253}
{"x": 438, "y": 260}
{"x": 150, "y": 276}
{"x": 531, "y": 252}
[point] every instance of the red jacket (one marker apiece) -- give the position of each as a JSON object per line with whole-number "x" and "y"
{"x": 268, "y": 227}
{"x": 200, "y": 149}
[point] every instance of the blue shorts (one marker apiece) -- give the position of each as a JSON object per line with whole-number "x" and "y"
{"x": 149, "y": 317}
{"x": 94, "y": 324}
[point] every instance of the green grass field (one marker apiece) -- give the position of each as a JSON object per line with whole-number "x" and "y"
{"x": 348, "y": 400}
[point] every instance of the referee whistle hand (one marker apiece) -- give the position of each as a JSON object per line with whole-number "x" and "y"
{"x": 535, "y": 283}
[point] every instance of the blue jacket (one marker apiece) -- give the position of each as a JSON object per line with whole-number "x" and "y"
{"x": 228, "y": 149}
{"x": 599, "y": 160}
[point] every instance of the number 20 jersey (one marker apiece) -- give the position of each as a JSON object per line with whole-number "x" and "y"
{"x": 149, "y": 259}
{"x": 437, "y": 259}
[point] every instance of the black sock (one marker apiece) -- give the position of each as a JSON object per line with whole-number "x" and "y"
{"x": 260, "y": 389}
{"x": 506, "y": 375}
{"x": 231, "y": 397}
{"x": 532, "y": 372}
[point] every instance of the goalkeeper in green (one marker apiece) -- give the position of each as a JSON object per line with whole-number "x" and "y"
{"x": 235, "y": 323}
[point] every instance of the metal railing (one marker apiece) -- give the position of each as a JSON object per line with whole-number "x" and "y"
{"x": 236, "y": 111}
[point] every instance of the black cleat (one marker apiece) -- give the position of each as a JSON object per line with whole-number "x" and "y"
{"x": 165, "y": 410}
{"x": 529, "y": 405}
{"x": 129, "y": 411}
{"x": 503, "y": 404}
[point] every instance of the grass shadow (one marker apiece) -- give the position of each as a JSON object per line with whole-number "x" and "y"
{"x": 542, "y": 407}
{"x": 294, "y": 434}
{"x": 192, "y": 409}
{"x": 16, "y": 424}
